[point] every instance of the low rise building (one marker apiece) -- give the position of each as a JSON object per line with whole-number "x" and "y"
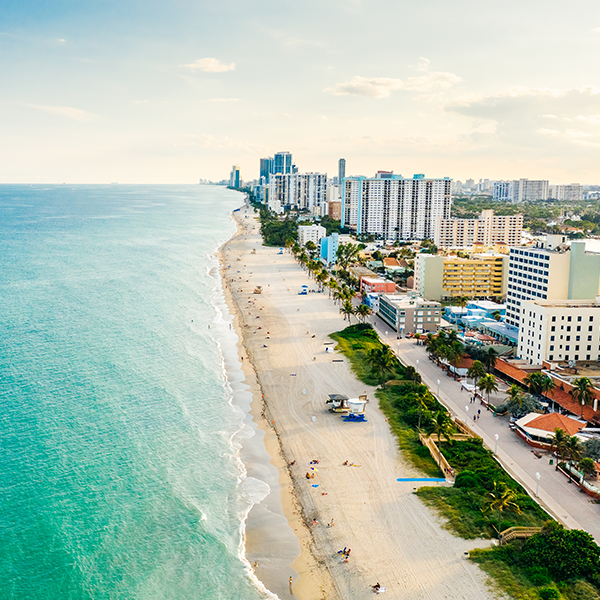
{"x": 409, "y": 314}
{"x": 480, "y": 276}
{"x": 334, "y": 209}
{"x": 311, "y": 233}
{"x": 559, "y": 330}
{"x": 377, "y": 284}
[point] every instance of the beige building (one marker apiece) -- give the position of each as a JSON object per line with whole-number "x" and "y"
{"x": 442, "y": 277}
{"x": 310, "y": 233}
{"x": 334, "y": 209}
{"x": 487, "y": 230}
{"x": 409, "y": 314}
{"x": 559, "y": 330}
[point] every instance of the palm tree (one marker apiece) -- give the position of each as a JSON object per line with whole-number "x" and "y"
{"x": 363, "y": 311}
{"x": 462, "y": 301}
{"x": 547, "y": 385}
{"x": 411, "y": 374}
{"x": 454, "y": 352}
{"x": 441, "y": 425}
{"x": 501, "y": 498}
{"x": 558, "y": 443}
{"x": 488, "y": 384}
{"x": 587, "y": 466}
{"x": 347, "y": 253}
{"x": 514, "y": 395}
{"x": 382, "y": 360}
{"x": 322, "y": 278}
{"x": 489, "y": 359}
{"x": 347, "y": 310}
{"x": 476, "y": 371}
{"x": 582, "y": 391}
{"x": 574, "y": 449}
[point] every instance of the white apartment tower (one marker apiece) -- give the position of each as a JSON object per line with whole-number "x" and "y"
{"x": 392, "y": 208}
{"x": 310, "y": 233}
{"x": 571, "y": 192}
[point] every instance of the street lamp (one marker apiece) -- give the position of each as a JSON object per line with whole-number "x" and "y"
{"x": 537, "y": 487}
{"x": 466, "y": 414}
{"x": 438, "y": 382}
{"x": 496, "y": 446}
{"x": 417, "y": 365}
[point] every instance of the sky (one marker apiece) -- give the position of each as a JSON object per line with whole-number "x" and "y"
{"x": 100, "y": 91}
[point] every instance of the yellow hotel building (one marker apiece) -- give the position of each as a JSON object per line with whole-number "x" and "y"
{"x": 478, "y": 277}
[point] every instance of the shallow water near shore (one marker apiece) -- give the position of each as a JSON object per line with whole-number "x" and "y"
{"x": 119, "y": 432}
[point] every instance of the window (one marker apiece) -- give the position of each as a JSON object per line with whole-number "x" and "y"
{"x": 551, "y": 338}
{"x": 577, "y": 337}
{"x": 568, "y": 326}
{"x": 578, "y": 327}
{"x": 578, "y": 319}
{"x": 591, "y": 319}
{"x": 589, "y": 338}
{"x": 568, "y": 338}
{"x": 590, "y": 328}
{"x": 552, "y": 328}
{"x": 553, "y": 319}
{"x": 576, "y": 348}
{"x": 551, "y": 357}
{"x": 567, "y": 348}
{"x": 569, "y": 319}
{"x": 551, "y": 348}
{"x": 588, "y": 349}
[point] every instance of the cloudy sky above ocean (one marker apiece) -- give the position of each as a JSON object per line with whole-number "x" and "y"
{"x": 158, "y": 92}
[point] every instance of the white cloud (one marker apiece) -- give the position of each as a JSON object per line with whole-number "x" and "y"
{"x": 210, "y": 65}
{"x": 67, "y": 111}
{"x": 62, "y": 40}
{"x": 382, "y": 87}
{"x": 224, "y": 99}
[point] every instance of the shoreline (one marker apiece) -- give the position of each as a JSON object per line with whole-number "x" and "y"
{"x": 395, "y": 539}
{"x": 262, "y": 530}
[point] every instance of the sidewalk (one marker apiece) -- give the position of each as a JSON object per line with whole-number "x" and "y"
{"x": 559, "y": 497}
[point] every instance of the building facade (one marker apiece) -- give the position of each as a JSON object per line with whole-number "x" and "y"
{"x": 266, "y": 168}
{"x": 564, "y": 273}
{"x": 377, "y": 284}
{"x": 310, "y": 233}
{"x": 445, "y": 277}
{"x": 282, "y": 163}
{"x": 391, "y": 207}
{"x": 407, "y": 314}
{"x": 329, "y": 248}
{"x": 341, "y": 170}
{"x": 571, "y": 192}
{"x": 488, "y": 230}
{"x": 559, "y": 330}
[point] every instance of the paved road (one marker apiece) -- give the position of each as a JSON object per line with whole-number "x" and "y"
{"x": 563, "y": 500}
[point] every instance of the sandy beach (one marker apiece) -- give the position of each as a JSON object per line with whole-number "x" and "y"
{"x": 394, "y": 539}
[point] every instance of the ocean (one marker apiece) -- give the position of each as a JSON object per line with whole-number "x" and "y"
{"x": 120, "y": 476}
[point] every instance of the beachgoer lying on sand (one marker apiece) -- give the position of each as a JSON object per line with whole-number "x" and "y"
{"x": 307, "y": 476}
{"x": 376, "y": 587}
{"x": 314, "y": 462}
{"x": 331, "y": 523}
{"x": 345, "y": 463}
{"x": 315, "y": 522}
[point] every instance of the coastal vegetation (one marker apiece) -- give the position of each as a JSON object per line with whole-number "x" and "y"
{"x": 485, "y": 499}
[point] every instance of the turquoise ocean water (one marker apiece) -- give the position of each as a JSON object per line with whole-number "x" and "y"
{"x": 118, "y": 474}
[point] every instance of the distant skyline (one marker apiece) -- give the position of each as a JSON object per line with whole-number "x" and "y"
{"x": 156, "y": 92}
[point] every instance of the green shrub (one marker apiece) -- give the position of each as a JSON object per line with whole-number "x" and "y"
{"x": 467, "y": 479}
{"x": 548, "y": 593}
{"x": 567, "y": 554}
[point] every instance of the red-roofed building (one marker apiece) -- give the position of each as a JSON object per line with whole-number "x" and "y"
{"x": 538, "y": 430}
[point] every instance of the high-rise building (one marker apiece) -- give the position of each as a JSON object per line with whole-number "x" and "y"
{"x": 572, "y": 192}
{"x": 234, "y": 177}
{"x": 266, "y": 168}
{"x": 391, "y": 207}
{"x": 308, "y": 191}
{"x": 503, "y": 191}
{"x": 282, "y": 163}
{"x": 488, "y": 230}
{"x": 562, "y": 273}
{"x": 527, "y": 190}
{"x": 341, "y": 170}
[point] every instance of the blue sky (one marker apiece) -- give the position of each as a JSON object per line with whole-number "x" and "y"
{"x": 131, "y": 91}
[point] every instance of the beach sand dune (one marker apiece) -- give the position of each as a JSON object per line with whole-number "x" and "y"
{"x": 394, "y": 539}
